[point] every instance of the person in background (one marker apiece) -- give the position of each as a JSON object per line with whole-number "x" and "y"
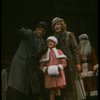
{"x": 89, "y": 65}
{"x": 4, "y": 84}
{"x": 68, "y": 44}
{"x": 23, "y": 81}
{"x": 52, "y": 63}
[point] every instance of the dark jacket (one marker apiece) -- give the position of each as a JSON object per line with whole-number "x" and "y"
{"x": 24, "y": 67}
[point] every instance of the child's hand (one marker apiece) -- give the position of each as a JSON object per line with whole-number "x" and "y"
{"x": 46, "y": 71}
{"x": 59, "y": 69}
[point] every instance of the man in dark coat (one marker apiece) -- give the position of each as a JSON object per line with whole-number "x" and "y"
{"x": 23, "y": 83}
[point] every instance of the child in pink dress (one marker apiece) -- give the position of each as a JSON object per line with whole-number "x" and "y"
{"x": 52, "y": 63}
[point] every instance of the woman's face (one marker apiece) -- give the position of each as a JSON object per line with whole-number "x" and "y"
{"x": 58, "y": 27}
{"x": 50, "y": 44}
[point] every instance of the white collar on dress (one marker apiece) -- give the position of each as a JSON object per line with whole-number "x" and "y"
{"x": 46, "y": 56}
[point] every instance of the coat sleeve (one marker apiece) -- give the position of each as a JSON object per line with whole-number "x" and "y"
{"x": 43, "y": 67}
{"x": 63, "y": 61}
{"x": 94, "y": 57}
{"x": 62, "y": 64}
{"x": 74, "y": 47}
{"x": 24, "y": 33}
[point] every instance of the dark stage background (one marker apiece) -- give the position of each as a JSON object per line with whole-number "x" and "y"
{"x": 80, "y": 16}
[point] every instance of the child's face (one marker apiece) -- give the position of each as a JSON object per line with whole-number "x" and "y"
{"x": 51, "y": 44}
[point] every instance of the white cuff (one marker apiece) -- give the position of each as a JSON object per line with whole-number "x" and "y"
{"x": 60, "y": 66}
{"x": 90, "y": 73}
{"x": 95, "y": 67}
{"x": 93, "y": 93}
{"x": 87, "y": 74}
{"x": 44, "y": 69}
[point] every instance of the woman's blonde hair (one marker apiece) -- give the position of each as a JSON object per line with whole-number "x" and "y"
{"x": 58, "y": 19}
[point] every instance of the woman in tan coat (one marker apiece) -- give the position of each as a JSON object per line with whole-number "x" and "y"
{"x": 68, "y": 44}
{"x": 52, "y": 64}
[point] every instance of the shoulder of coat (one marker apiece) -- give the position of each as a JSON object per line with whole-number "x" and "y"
{"x": 68, "y": 32}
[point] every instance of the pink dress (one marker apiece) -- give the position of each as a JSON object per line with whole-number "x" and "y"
{"x": 54, "y": 57}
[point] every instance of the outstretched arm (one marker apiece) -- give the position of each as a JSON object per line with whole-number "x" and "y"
{"x": 23, "y": 32}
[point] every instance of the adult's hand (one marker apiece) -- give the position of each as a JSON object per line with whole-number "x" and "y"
{"x": 79, "y": 68}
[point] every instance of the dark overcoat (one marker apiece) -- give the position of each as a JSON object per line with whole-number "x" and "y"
{"x": 24, "y": 67}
